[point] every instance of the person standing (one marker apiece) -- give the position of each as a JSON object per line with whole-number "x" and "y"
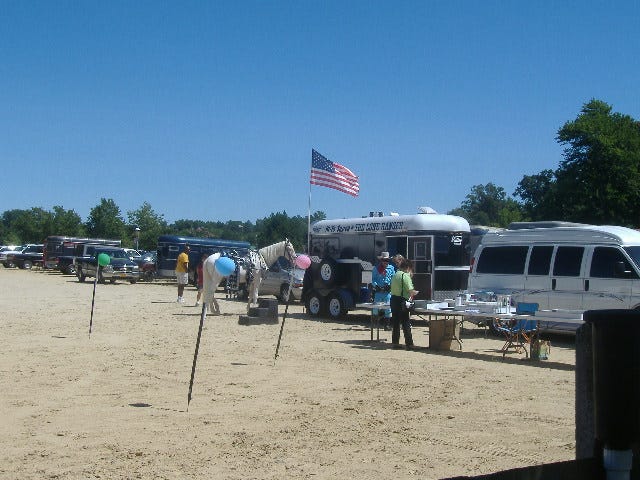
{"x": 200, "y": 274}
{"x": 401, "y": 292}
{"x": 396, "y": 260}
{"x": 182, "y": 272}
{"x": 381, "y": 281}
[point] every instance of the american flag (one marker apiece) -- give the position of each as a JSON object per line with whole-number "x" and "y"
{"x": 329, "y": 174}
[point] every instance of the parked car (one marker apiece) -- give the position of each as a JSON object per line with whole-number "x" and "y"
{"x": 133, "y": 253}
{"x": 120, "y": 266}
{"x": 560, "y": 266}
{"x": 5, "y": 250}
{"x": 28, "y": 257}
{"x": 277, "y": 279}
{"x": 147, "y": 265}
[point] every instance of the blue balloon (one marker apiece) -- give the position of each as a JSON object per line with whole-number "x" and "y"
{"x": 225, "y": 266}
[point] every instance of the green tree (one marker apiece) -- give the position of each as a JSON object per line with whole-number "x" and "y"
{"x": 279, "y": 226}
{"x": 538, "y": 194}
{"x": 598, "y": 181}
{"x": 66, "y": 222}
{"x": 105, "y": 221}
{"x": 27, "y": 226}
{"x": 489, "y": 205}
{"x": 150, "y": 223}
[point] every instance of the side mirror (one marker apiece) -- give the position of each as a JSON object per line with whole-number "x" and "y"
{"x": 620, "y": 270}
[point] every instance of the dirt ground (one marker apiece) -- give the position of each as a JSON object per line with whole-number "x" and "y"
{"x": 113, "y": 405}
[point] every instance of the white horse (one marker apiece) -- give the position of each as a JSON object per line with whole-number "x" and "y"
{"x": 259, "y": 262}
{"x": 211, "y": 280}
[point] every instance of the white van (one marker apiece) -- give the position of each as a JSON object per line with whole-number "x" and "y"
{"x": 560, "y": 266}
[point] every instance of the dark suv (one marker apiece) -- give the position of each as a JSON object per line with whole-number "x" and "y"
{"x": 27, "y": 258}
{"x": 120, "y": 266}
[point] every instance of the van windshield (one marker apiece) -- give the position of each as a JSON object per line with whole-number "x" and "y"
{"x": 634, "y": 253}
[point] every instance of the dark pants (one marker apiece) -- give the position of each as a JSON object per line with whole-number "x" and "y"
{"x": 400, "y": 316}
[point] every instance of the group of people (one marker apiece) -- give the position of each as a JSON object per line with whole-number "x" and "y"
{"x": 391, "y": 280}
{"x": 393, "y": 284}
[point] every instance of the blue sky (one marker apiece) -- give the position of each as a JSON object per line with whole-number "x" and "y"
{"x": 209, "y": 110}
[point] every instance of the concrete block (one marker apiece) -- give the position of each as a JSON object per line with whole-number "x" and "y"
{"x": 249, "y": 320}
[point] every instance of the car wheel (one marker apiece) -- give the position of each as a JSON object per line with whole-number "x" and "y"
{"x": 27, "y": 265}
{"x": 314, "y": 304}
{"x": 81, "y": 276}
{"x": 284, "y": 293}
{"x": 336, "y": 307}
{"x": 71, "y": 270}
{"x": 132, "y": 281}
{"x": 112, "y": 281}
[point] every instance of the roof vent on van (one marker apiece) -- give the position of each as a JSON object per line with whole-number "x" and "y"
{"x": 426, "y": 210}
{"x": 543, "y": 224}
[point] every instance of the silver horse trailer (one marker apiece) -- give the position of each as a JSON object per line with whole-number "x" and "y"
{"x": 344, "y": 251}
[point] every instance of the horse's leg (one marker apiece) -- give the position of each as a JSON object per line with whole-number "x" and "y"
{"x": 213, "y": 306}
{"x": 250, "y": 295}
{"x": 255, "y": 288}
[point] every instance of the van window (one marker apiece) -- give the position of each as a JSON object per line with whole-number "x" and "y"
{"x": 604, "y": 260}
{"x": 540, "y": 260}
{"x": 568, "y": 261}
{"x": 508, "y": 260}
{"x": 634, "y": 253}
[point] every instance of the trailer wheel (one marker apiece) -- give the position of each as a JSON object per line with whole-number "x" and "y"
{"x": 328, "y": 272}
{"x": 315, "y": 304}
{"x": 336, "y": 306}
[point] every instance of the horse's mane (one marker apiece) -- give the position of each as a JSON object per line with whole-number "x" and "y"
{"x": 271, "y": 253}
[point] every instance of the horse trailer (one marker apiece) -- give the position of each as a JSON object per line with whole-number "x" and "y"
{"x": 344, "y": 251}
{"x": 170, "y": 246}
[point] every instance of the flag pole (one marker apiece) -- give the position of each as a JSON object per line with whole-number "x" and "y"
{"x": 309, "y": 214}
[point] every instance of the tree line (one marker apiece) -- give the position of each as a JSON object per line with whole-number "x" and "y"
{"x": 597, "y": 181}
{"x": 143, "y": 226}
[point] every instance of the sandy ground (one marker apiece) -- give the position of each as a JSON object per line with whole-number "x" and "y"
{"x": 333, "y": 405}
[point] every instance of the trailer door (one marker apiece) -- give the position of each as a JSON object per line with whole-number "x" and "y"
{"x": 420, "y": 252}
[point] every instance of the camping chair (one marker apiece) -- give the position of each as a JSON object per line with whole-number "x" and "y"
{"x": 520, "y": 331}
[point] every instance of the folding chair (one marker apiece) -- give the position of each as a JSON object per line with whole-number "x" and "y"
{"x": 521, "y": 331}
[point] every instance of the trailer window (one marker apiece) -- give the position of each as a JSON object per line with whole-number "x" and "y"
{"x": 451, "y": 250}
{"x": 506, "y": 260}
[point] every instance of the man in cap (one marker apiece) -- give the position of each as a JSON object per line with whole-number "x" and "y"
{"x": 182, "y": 272}
{"x": 381, "y": 281}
